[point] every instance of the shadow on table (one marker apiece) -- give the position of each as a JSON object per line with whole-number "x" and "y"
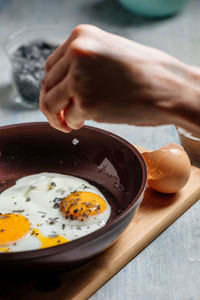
{"x": 7, "y": 102}
{"x": 111, "y": 12}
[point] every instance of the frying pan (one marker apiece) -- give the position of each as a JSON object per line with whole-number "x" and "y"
{"x": 102, "y": 158}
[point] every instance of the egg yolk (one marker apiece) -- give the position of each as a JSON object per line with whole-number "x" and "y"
{"x": 12, "y": 228}
{"x": 81, "y": 205}
{"x": 48, "y": 241}
{"x": 4, "y": 250}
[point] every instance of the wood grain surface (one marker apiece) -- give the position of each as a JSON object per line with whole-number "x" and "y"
{"x": 156, "y": 212}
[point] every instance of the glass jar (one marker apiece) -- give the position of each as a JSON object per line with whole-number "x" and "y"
{"x": 191, "y": 144}
{"x": 28, "y": 51}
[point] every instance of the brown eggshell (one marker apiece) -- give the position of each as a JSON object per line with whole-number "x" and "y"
{"x": 168, "y": 168}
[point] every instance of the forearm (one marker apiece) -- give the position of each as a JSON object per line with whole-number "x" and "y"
{"x": 181, "y": 101}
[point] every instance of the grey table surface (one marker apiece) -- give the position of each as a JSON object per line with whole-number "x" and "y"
{"x": 169, "y": 268}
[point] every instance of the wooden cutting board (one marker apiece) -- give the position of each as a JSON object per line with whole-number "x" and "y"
{"x": 154, "y": 215}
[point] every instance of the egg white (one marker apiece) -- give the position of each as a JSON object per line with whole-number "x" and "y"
{"x": 33, "y": 197}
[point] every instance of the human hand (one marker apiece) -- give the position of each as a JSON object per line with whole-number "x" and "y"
{"x": 101, "y": 76}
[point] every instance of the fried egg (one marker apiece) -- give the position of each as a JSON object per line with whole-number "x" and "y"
{"x": 48, "y": 209}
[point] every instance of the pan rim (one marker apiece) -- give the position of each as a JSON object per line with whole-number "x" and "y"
{"x": 39, "y": 253}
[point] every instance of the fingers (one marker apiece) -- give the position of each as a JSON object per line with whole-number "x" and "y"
{"x": 63, "y": 123}
{"x": 56, "y": 74}
{"x": 59, "y": 52}
{"x": 56, "y": 55}
{"x": 75, "y": 116}
{"x": 54, "y": 101}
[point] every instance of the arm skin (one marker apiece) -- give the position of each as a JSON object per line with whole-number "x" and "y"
{"x": 100, "y": 76}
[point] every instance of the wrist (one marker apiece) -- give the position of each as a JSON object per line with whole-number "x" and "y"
{"x": 182, "y": 105}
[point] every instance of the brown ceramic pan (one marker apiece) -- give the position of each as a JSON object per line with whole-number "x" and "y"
{"x": 100, "y": 157}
